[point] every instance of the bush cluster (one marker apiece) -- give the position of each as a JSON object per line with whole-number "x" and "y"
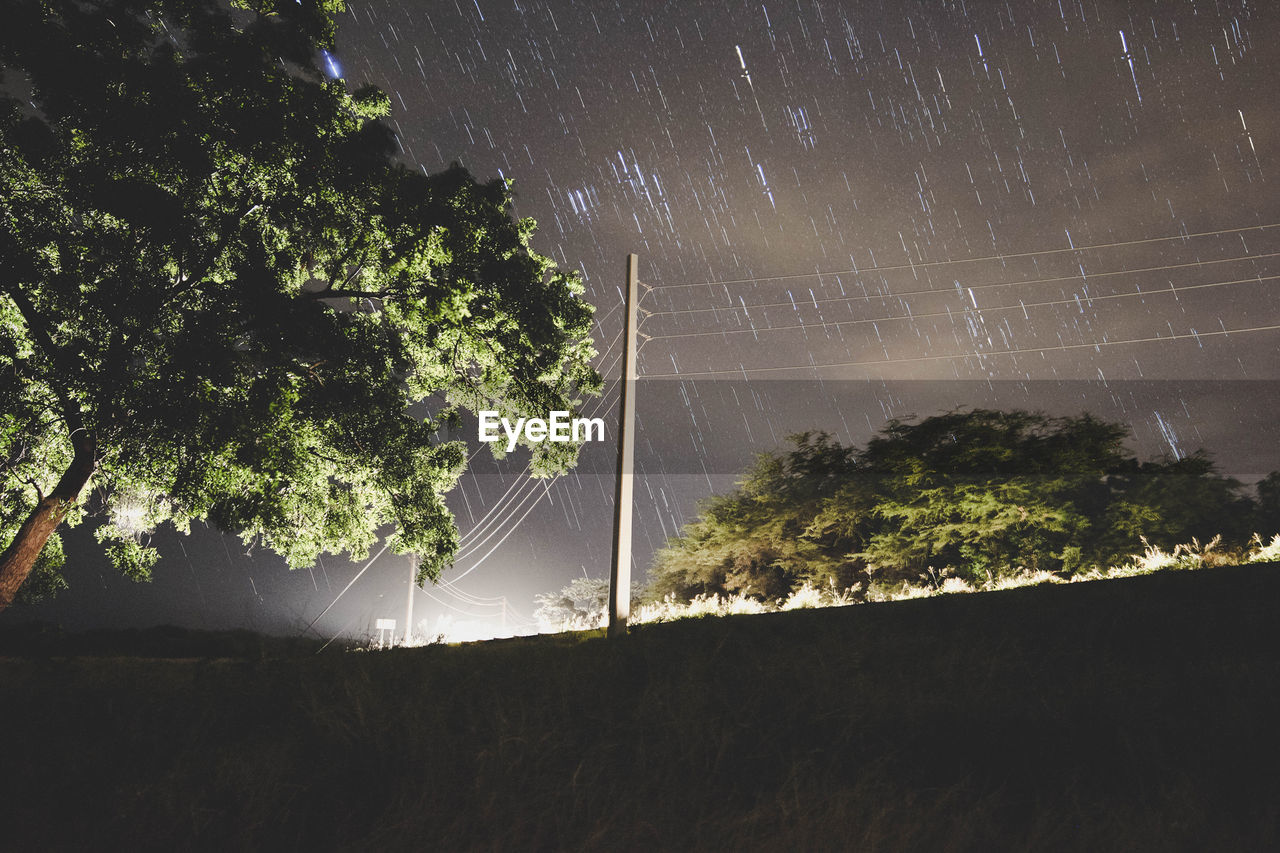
{"x": 977, "y": 497}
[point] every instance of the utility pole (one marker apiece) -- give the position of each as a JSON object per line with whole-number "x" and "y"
{"x": 408, "y": 607}
{"x": 620, "y": 571}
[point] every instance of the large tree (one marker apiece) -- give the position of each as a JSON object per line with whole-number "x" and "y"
{"x": 221, "y": 297}
{"x": 982, "y": 493}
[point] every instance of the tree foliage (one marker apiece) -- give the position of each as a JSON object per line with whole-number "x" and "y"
{"x": 982, "y": 494}
{"x": 222, "y": 298}
{"x": 580, "y": 604}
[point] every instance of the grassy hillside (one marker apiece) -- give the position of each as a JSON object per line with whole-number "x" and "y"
{"x": 1122, "y": 714}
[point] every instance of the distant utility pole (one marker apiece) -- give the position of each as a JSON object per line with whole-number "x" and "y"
{"x": 620, "y": 572}
{"x": 408, "y": 607}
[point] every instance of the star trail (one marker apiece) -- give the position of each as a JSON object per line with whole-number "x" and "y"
{"x": 844, "y": 212}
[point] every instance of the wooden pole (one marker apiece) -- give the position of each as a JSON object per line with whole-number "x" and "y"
{"x": 408, "y": 607}
{"x": 620, "y": 571}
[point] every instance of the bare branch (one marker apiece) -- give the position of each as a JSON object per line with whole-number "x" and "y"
{"x": 39, "y": 492}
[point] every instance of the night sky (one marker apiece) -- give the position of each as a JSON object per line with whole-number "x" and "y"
{"x": 844, "y": 212}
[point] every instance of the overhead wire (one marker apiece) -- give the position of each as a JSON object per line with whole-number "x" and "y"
{"x": 468, "y": 597}
{"x": 928, "y": 291}
{"x": 598, "y": 321}
{"x": 520, "y": 500}
{"x": 476, "y": 545}
{"x": 360, "y": 573}
{"x": 955, "y": 356}
{"x": 967, "y": 311}
{"x": 507, "y": 498}
{"x": 913, "y": 265}
{"x": 540, "y": 495}
{"x": 460, "y": 594}
{"x": 444, "y": 603}
{"x": 476, "y": 528}
{"x": 519, "y": 503}
{"x": 350, "y": 584}
{"x": 513, "y": 529}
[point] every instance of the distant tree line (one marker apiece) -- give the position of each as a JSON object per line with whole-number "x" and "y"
{"x": 979, "y": 494}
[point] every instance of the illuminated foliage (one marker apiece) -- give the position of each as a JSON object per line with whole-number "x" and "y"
{"x": 980, "y": 495}
{"x": 221, "y": 298}
{"x": 582, "y": 603}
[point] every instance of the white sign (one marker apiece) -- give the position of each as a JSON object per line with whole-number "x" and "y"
{"x": 386, "y": 624}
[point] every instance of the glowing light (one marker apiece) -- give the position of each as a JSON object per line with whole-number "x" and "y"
{"x": 332, "y": 68}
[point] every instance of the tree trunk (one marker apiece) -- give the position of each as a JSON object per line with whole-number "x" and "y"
{"x": 18, "y": 559}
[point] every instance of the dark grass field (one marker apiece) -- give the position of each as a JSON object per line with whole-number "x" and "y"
{"x": 1138, "y": 714}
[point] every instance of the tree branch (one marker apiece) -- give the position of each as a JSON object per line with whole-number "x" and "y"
{"x": 352, "y": 294}
{"x": 44, "y": 338}
{"x": 33, "y": 484}
{"x": 341, "y": 262}
{"x": 196, "y": 278}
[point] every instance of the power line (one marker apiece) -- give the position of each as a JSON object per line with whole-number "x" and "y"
{"x": 476, "y": 545}
{"x": 951, "y": 290}
{"x": 341, "y": 631}
{"x": 458, "y": 593}
{"x": 922, "y": 358}
{"x": 497, "y": 601}
{"x": 600, "y": 320}
{"x": 603, "y": 357}
{"x": 1002, "y": 257}
{"x": 488, "y": 518}
{"x": 518, "y": 503}
{"x": 468, "y": 597}
{"x": 444, "y": 603}
{"x": 344, "y": 590}
{"x": 448, "y": 585}
{"x": 464, "y": 541}
{"x": 520, "y": 520}
{"x": 479, "y": 526}
{"x": 967, "y": 311}
{"x": 480, "y": 561}
{"x": 532, "y": 506}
